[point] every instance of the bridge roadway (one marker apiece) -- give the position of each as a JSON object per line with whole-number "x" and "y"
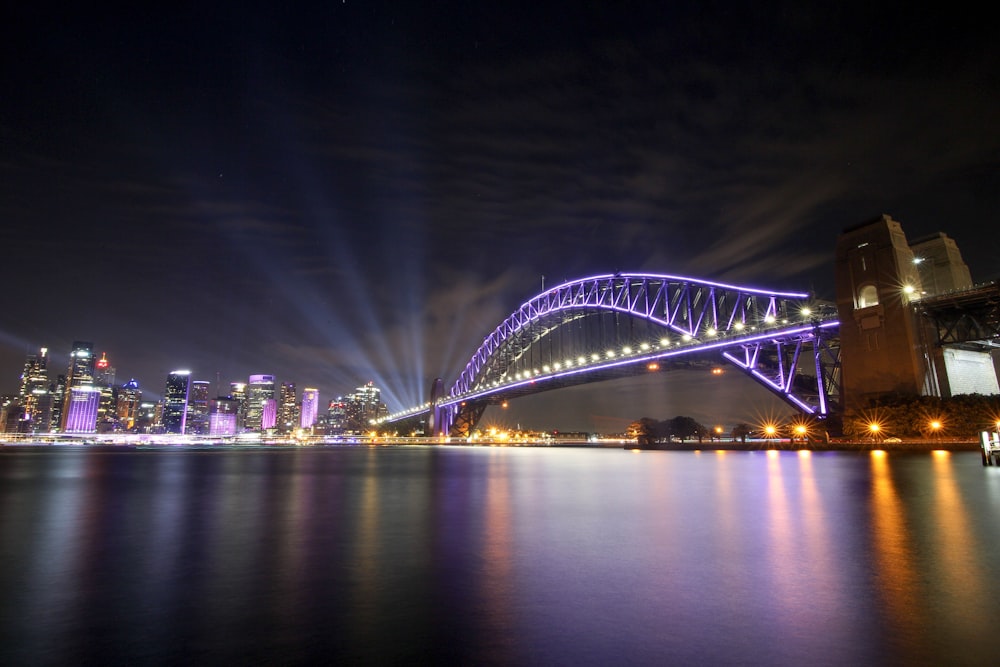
{"x": 609, "y": 326}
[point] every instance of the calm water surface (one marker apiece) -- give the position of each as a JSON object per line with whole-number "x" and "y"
{"x": 497, "y": 556}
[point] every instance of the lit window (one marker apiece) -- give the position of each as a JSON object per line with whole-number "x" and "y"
{"x": 867, "y": 296}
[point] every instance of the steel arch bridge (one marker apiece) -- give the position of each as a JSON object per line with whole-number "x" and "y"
{"x": 608, "y": 326}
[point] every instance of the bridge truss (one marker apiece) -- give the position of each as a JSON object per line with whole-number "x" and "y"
{"x": 969, "y": 317}
{"x": 610, "y": 326}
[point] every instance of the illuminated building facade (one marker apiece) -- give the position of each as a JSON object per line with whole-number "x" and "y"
{"x": 80, "y": 374}
{"x": 58, "y": 391}
{"x": 175, "y": 401}
{"x": 81, "y": 409}
{"x": 336, "y": 417}
{"x": 104, "y": 379}
{"x": 260, "y": 390}
{"x": 269, "y": 414}
{"x": 238, "y": 392}
{"x": 197, "y": 414}
{"x": 363, "y": 407}
{"x": 34, "y": 394}
{"x": 287, "y": 409}
{"x": 127, "y": 409}
{"x": 310, "y": 407}
{"x": 222, "y": 413}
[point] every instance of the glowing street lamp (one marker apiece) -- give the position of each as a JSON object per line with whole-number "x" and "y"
{"x": 874, "y": 428}
{"x": 935, "y": 425}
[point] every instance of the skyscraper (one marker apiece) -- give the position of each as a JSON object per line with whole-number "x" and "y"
{"x": 129, "y": 398}
{"x": 287, "y": 409}
{"x": 238, "y": 392}
{"x": 222, "y": 416}
{"x": 81, "y": 409}
{"x": 104, "y": 379}
{"x": 80, "y": 374}
{"x": 36, "y": 400}
{"x": 310, "y": 407}
{"x": 364, "y": 406}
{"x": 175, "y": 401}
{"x": 197, "y": 419}
{"x": 260, "y": 389}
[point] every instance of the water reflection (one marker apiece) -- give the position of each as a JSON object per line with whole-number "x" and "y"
{"x": 496, "y": 556}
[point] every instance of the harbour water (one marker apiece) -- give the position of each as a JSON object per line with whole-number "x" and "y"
{"x": 511, "y": 556}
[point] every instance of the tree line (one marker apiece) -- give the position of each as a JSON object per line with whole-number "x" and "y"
{"x": 648, "y": 431}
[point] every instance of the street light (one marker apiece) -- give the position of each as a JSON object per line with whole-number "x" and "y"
{"x": 873, "y": 429}
{"x": 935, "y": 427}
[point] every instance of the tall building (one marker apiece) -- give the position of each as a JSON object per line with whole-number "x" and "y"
{"x": 288, "y": 419}
{"x": 57, "y": 390}
{"x": 238, "y": 392}
{"x": 80, "y": 374}
{"x": 104, "y": 379}
{"x": 363, "y": 407}
{"x": 269, "y": 414}
{"x": 222, "y": 414}
{"x": 197, "y": 416}
{"x": 260, "y": 390}
{"x": 81, "y": 409}
{"x": 129, "y": 399}
{"x": 175, "y": 401}
{"x": 310, "y": 407}
{"x": 336, "y": 417}
{"x": 34, "y": 394}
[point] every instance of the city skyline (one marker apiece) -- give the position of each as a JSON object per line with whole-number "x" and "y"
{"x": 358, "y": 191}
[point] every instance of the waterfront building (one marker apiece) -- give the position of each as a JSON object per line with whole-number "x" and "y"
{"x": 81, "y": 409}
{"x": 259, "y": 390}
{"x": 80, "y": 374}
{"x": 362, "y": 407}
{"x": 34, "y": 395}
{"x": 222, "y": 413}
{"x": 238, "y": 392}
{"x": 310, "y": 407}
{"x": 127, "y": 409}
{"x": 197, "y": 415}
{"x": 269, "y": 414}
{"x": 175, "y": 401}
{"x": 58, "y": 392}
{"x": 336, "y": 417}
{"x": 288, "y": 419}
{"x": 104, "y": 379}
{"x": 147, "y": 417}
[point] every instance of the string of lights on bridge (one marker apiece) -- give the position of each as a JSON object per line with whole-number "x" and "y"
{"x": 646, "y": 351}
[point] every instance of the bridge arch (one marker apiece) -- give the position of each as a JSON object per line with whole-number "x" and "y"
{"x": 609, "y": 325}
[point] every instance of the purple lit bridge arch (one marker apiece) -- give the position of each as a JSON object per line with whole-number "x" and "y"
{"x": 609, "y": 326}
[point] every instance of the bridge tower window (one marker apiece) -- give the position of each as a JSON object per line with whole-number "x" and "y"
{"x": 867, "y": 296}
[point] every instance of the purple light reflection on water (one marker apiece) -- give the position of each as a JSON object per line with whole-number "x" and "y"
{"x": 495, "y": 556}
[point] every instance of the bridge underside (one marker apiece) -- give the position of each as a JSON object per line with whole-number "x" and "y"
{"x": 968, "y": 317}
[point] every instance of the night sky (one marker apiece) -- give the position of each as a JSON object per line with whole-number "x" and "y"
{"x": 358, "y": 191}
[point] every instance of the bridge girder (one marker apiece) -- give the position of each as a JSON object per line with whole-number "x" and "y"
{"x": 966, "y": 316}
{"x": 765, "y": 333}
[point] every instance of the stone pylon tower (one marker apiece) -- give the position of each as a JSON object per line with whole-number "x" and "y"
{"x": 883, "y": 343}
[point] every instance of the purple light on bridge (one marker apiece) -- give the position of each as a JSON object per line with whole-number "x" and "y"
{"x": 645, "y": 358}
